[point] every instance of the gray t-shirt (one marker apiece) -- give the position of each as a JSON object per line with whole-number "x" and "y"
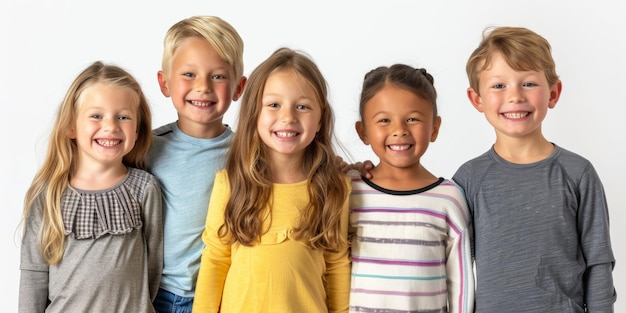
{"x": 542, "y": 241}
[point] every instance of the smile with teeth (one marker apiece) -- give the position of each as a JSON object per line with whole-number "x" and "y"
{"x": 108, "y": 142}
{"x": 286, "y": 134}
{"x": 515, "y": 115}
{"x": 399, "y": 147}
{"x": 201, "y": 103}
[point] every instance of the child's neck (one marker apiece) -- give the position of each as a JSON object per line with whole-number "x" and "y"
{"x": 98, "y": 178}
{"x": 287, "y": 170}
{"x": 402, "y": 179}
{"x": 523, "y": 151}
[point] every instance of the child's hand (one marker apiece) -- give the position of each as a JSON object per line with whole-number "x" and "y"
{"x": 363, "y": 168}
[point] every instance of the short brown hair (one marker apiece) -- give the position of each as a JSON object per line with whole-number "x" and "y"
{"x": 522, "y": 49}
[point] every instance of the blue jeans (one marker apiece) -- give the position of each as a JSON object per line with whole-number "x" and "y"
{"x": 167, "y": 302}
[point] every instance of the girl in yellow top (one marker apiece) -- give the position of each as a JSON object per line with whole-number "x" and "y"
{"x": 276, "y": 230}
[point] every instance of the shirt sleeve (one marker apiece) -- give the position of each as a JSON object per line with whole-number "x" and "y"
{"x": 594, "y": 234}
{"x": 338, "y": 270}
{"x": 33, "y": 293}
{"x": 215, "y": 260}
{"x": 153, "y": 232}
{"x": 459, "y": 269}
{"x": 461, "y": 179}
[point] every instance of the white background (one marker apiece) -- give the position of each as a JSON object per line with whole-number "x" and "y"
{"x": 45, "y": 44}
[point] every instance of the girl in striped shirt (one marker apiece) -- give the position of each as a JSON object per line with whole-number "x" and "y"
{"x": 411, "y": 235}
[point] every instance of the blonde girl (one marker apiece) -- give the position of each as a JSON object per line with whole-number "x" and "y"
{"x": 276, "y": 232}
{"x": 93, "y": 239}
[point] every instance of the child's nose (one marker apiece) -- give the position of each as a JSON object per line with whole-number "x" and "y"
{"x": 516, "y": 95}
{"x": 287, "y": 115}
{"x": 204, "y": 85}
{"x": 400, "y": 131}
{"x": 110, "y": 124}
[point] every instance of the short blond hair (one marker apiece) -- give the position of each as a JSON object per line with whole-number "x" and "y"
{"x": 522, "y": 49}
{"x": 220, "y": 34}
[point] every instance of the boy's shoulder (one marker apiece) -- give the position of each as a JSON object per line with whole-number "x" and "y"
{"x": 574, "y": 164}
{"x": 482, "y": 159}
{"x": 165, "y": 129}
{"x": 569, "y": 155}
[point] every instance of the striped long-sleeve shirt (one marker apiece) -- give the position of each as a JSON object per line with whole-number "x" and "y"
{"x": 410, "y": 249}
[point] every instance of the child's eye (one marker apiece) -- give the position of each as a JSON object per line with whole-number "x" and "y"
{"x": 188, "y": 74}
{"x": 124, "y": 118}
{"x": 218, "y": 77}
{"x": 497, "y": 86}
{"x": 95, "y": 116}
{"x": 272, "y": 105}
{"x": 412, "y": 120}
{"x": 384, "y": 120}
{"x": 529, "y": 84}
{"x": 301, "y": 107}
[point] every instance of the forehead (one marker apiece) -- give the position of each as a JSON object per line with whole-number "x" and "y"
{"x": 198, "y": 50}
{"x": 397, "y": 100}
{"x": 499, "y": 62}
{"x": 107, "y": 96}
{"x": 290, "y": 82}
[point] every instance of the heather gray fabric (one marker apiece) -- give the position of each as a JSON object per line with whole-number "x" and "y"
{"x": 541, "y": 234}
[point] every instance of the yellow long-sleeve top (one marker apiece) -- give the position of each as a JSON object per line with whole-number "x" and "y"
{"x": 279, "y": 274}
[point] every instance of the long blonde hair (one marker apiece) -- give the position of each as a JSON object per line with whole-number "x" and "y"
{"x": 249, "y": 176}
{"x": 60, "y": 162}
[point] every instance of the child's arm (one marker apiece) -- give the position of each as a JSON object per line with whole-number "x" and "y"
{"x": 215, "y": 260}
{"x": 153, "y": 232}
{"x": 593, "y": 221}
{"x": 459, "y": 269}
{"x": 338, "y": 271}
{"x": 33, "y": 296}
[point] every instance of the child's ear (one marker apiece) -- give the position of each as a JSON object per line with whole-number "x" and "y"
{"x": 475, "y": 99}
{"x": 240, "y": 86}
{"x": 555, "y": 94}
{"x": 162, "y": 78}
{"x": 436, "y": 126}
{"x": 71, "y": 133}
{"x": 360, "y": 129}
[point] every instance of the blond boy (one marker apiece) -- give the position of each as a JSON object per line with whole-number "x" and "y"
{"x": 202, "y": 72}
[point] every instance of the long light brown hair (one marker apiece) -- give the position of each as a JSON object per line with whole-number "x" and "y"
{"x": 248, "y": 172}
{"x": 61, "y": 158}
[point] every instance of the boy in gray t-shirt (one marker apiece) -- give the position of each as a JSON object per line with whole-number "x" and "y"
{"x": 541, "y": 221}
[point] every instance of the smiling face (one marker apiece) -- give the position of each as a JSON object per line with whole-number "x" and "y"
{"x": 202, "y": 86}
{"x": 399, "y": 125}
{"x": 514, "y": 102}
{"x": 290, "y": 115}
{"x": 106, "y": 124}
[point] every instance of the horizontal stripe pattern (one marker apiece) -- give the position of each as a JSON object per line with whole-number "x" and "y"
{"x": 407, "y": 247}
